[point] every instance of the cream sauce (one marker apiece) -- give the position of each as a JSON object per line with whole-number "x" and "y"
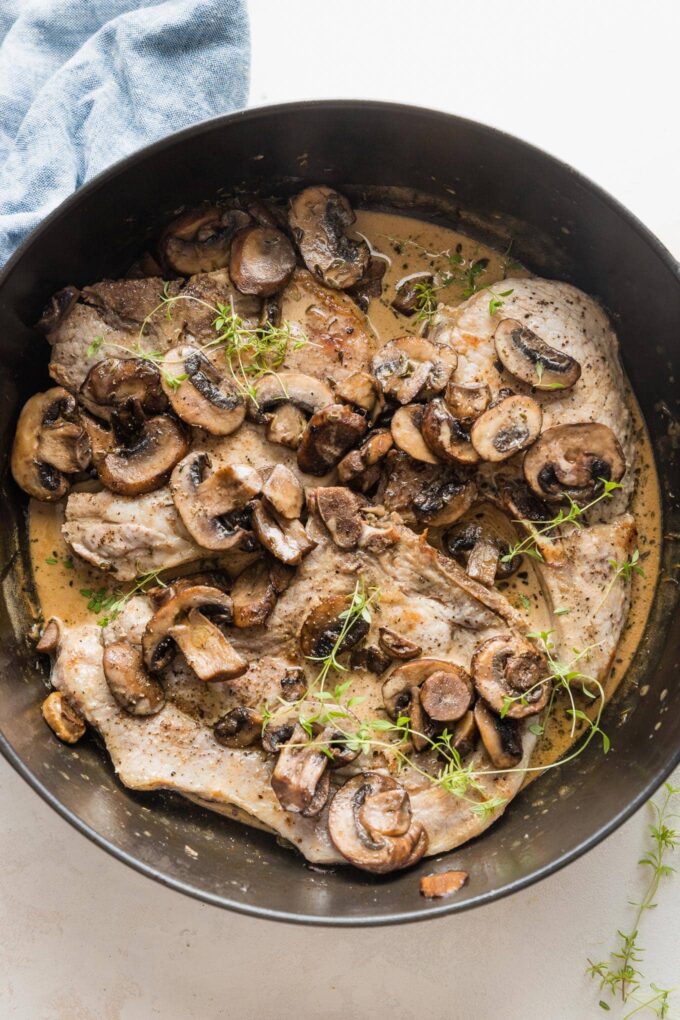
{"x": 412, "y": 246}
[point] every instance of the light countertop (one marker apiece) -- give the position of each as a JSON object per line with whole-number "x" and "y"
{"x": 83, "y": 937}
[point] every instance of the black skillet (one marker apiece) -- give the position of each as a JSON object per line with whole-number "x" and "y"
{"x": 464, "y": 175}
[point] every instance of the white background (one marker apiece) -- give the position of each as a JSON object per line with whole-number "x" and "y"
{"x": 84, "y": 938}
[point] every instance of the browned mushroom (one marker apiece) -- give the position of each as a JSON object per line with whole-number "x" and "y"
{"x": 481, "y": 551}
{"x": 209, "y": 502}
{"x": 112, "y": 382}
{"x": 501, "y": 737}
{"x": 466, "y": 403}
{"x": 451, "y": 694}
{"x": 305, "y": 392}
{"x": 300, "y": 778}
{"x": 409, "y": 292}
{"x": 49, "y": 443}
{"x": 529, "y": 358}
{"x": 286, "y": 426}
{"x": 397, "y": 646}
{"x": 506, "y": 427}
{"x": 320, "y": 219}
{"x": 363, "y": 391}
{"x": 511, "y": 676}
{"x": 413, "y": 368}
{"x": 360, "y": 468}
{"x": 198, "y": 241}
{"x": 329, "y": 434}
{"x": 371, "y": 824}
{"x": 183, "y": 622}
{"x": 464, "y": 734}
{"x": 62, "y": 718}
{"x": 406, "y": 427}
{"x": 446, "y": 694}
{"x": 283, "y": 491}
{"x": 286, "y": 540}
{"x": 58, "y": 307}
{"x": 431, "y": 494}
{"x": 338, "y": 508}
{"x": 445, "y": 435}
{"x": 293, "y": 685}
{"x": 325, "y": 623}
{"x": 240, "y": 727}
{"x": 371, "y": 658}
{"x": 253, "y": 595}
{"x": 200, "y": 394}
{"x": 131, "y": 686}
{"x": 443, "y": 501}
{"x": 262, "y": 260}
{"x": 574, "y": 461}
{"x": 370, "y": 284}
{"x": 144, "y": 464}
{"x": 50, "y": 637}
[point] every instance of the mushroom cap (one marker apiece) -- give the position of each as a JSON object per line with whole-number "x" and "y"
{"x": 253, "y": 595}
{"x": 370, "y": 824}
{"x": 303, "y": 391}
{"x": 406, "y": 428}
{"x": 57, "y": 308}
{"x": 506, "y": 666}
{"x": 529, "y": 358}
{"x": 286, "y": 540}
{"x": 407, "y": 293}
{"x": 362, "y": 390}
{"x": 300, "y": 778}
{"x": 207, "y": 397}
{"x": 146, "y": 464}
{"x": 501, "y": 737}
{"x": 50, "y": 637}
{"x": 506, "y": 427}
{"x": 131, "y": 686}
{"x": 329, "y": 434}
{"x": 45, "y": 413}
{"x": 323, "y": 625}
{"x": 480, "y": 550}
{"x": 199, "y": 240}
{"x": 113, "y": 381}
{"x": 63, "y": 718}
{"x": 360, "y": 468}
{"x": 284, "y": 492}
{"x": 445, "y": 434}
{"x": 158, "y": 645}
{"x": 286, "y": 426}
{"x": 205, "y": 499}
{"x": 444, "y": 501}
{"x": 572, "y": 460}
{"x": 240, "y": 727}
{"x": 447, "y": 694}
{"x": 338, "y": 508}
{"x": 397, "y": 646}
{"x": 396, "y": 688}
{"x": 319, "y": 218}
{"x": 414, "y": 368}
{"x": 262, "y": 260}
{"x": 466, "y": 403}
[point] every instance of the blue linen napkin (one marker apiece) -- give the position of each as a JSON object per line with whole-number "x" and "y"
{"x": 85, "y": 82}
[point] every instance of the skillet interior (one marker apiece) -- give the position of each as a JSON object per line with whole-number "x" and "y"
{"x": 484, "y": 183}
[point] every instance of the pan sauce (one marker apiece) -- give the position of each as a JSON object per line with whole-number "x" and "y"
{"x": 412, "y": 247}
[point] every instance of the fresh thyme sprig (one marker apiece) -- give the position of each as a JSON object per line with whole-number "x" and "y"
{"x": 620, "y": 975}
{"x": 497, "y": 301}
{"x": 626, "y": 569}
{"x": 541, "y": 529}
{"x": 112, "y": 603}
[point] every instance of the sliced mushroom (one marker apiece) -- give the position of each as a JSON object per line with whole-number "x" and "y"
{"x": 323, "y": 626}
{"x": 396, "y": 689}
{"x": 445, "y": 435}
{"x": 371, "y": 824}
{"x": 240, "y": 727}
{"x": 198, "y": 241}
{"x": 361, "y": 389}
{"x": 286, "y": 426}
{"x": 284, "y": 492}
{"x": 407, "y": 299}
{"x": 49, "y": 442}
{"x": 158, "y": 644}
{"x": 300, "y": 778}
{"x": 370, "y": 658}
{"x": 329, "y": 434}
{"x": 406, "y": 427}
{"x": 113, "y": 381}
{"x": 206, "y": 500}
{"x": 443, "y": 501}
{"x": 481, "y": 552}
{"x": 320, "y": 218}
{"x": 58, "y": 307}
{"x": 50, "y": 637}
{"x": 504, "y": 668}
{"x": 274, "y": 737}
{"x": 200, "y": 395}
{"x": 207, "y": 651}
{"x": 501, "y": 737}
{"x": 529, "y": 358}
{"x": 293, "y": 684}
{"x": 446, "y": 695}
{"x": 286, "y": 540}
{"x": 520, "y": 502}
{"x": 253, "y": 595}
{"x": 262, "y": 260}
{"x": 466, "y": 403}
{"x": 506, "y": 427}
{"x": 130, "y": 684}
{"x": 338, "y": 508}
{"x": 302, "y": 391}
{"x": 146, "y": 464}
{"x": 574, "y": 461}
{"x": 398, "y": 646}
{"x": 62, "y": 718}
{"x": 370, "y": 284}
{"x": 355, "y": 468}
{"x": 464, "y": 734}
{"x": 413, "y": 368}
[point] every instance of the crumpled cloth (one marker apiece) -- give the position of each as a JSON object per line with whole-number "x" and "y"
{"x": 85, "y": 82}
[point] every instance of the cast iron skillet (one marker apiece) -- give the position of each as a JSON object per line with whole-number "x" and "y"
{"x": 466, "y": 175}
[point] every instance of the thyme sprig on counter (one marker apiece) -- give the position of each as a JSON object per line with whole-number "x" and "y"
{"x": 619, "y": 976}
{"x": 528, "y": 546}
{"x": 112, "y": 603}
